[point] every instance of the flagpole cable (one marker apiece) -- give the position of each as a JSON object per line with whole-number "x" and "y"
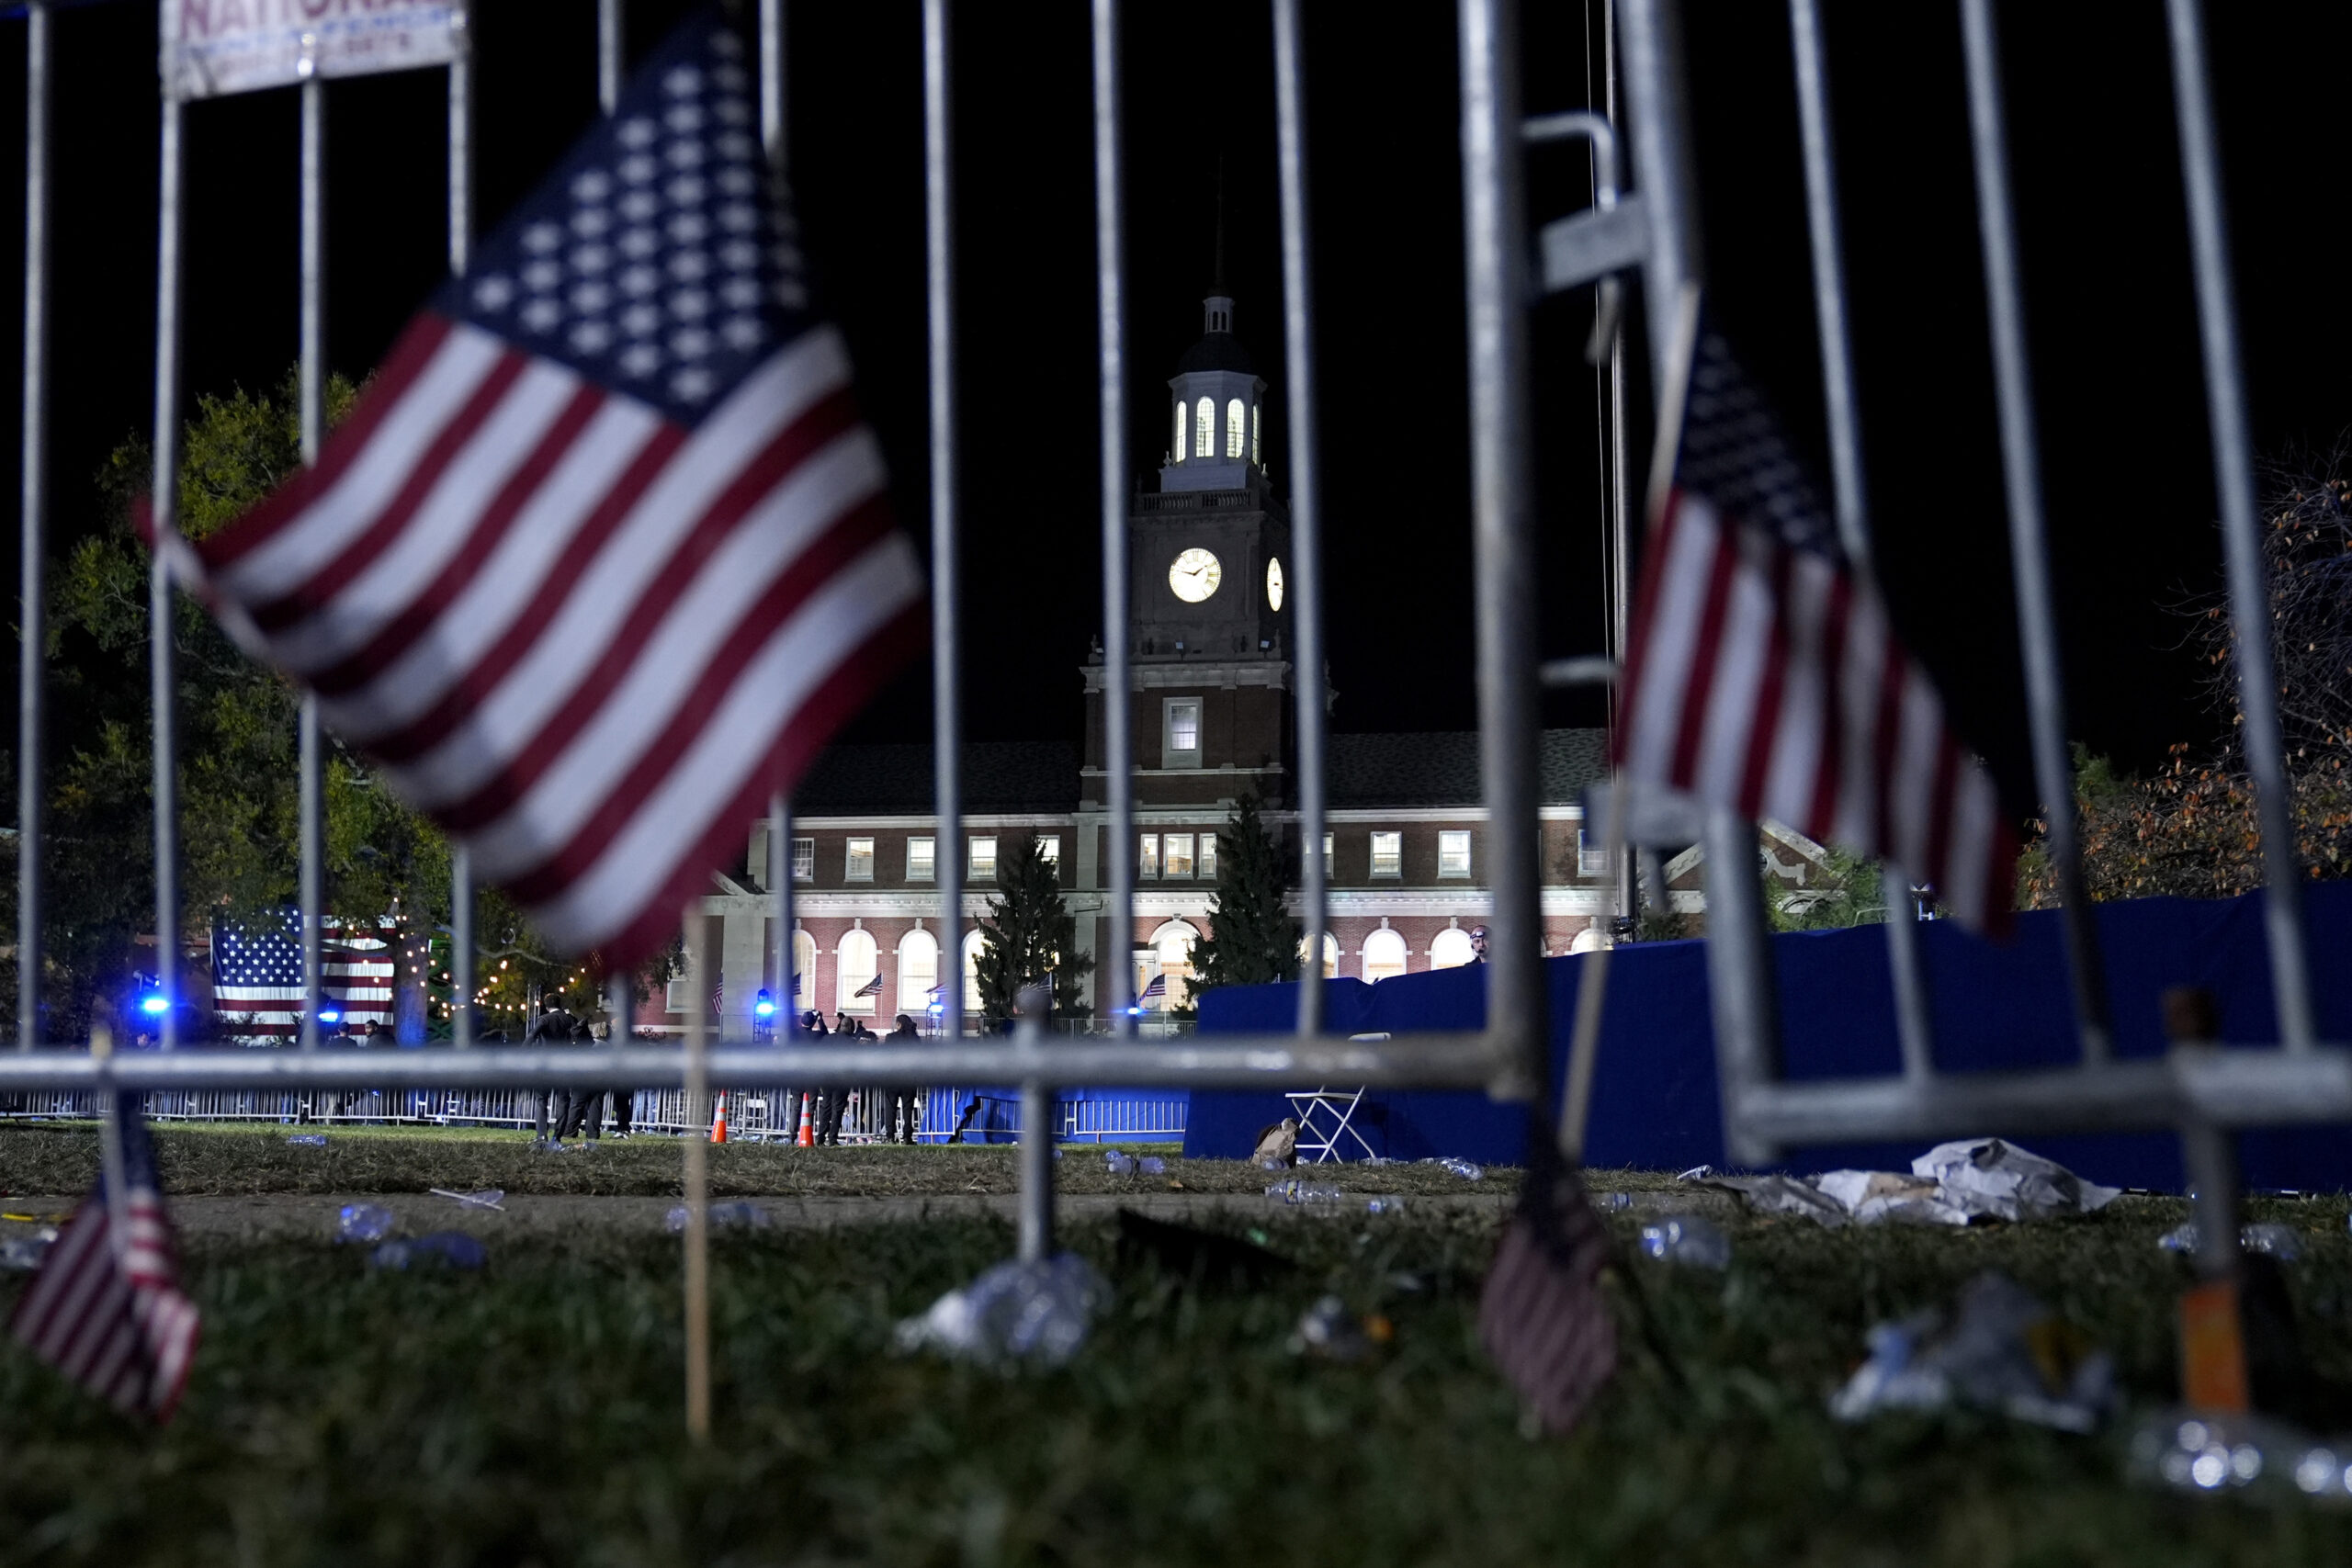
{"x": 696, "y": 1146}
{"x": 947, "y": 524}
{"x": 1307, "y": 677}
{"x": 1110, "y": 283}
{"x": 31, "y": 632}
{"x": 311, "y": 380}
{"x": 164, "y": 489}
{"x": 461, "y": 228}
{"x": 1914, "y": 1025}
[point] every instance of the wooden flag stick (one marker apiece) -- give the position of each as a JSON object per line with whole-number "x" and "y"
{"x": 110, "y": 1160}
{"x": 697, "y": 1186}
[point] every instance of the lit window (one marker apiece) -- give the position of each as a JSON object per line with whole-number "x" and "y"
{"x": 972, "y": 971}
{"x": 1178, "y": 850}
{"x": 1453, "y": 854}
{"x": 1148, "y": 855}
{"x": 1388, "y": 855}
{"x": 1171, "y": 953}
{"x": 1452, "y": 949}
{"x": 981, "y": 859}
{"x": 1254, "y": 416}
{"x": 1384, "y": 954}
{"x": 855, "y": 962}
{"x": 1235, "y": 420}
{"x": 804, "y": 860}
{"x": 1204, "y": 428}
{"x": 1326, "y": 856}
{"x": 1179, "y": 447}
{"x": 922, "y": 853}
{"x": 861, "y": 860}
{"x": 804, "y": 972}
{"x": 917, "y": 972}
{"x": 1330, "y": 954}
{"x": 1208, "y": 857}
{"x": 1592, "y": 859}
{"x": 1049, "y": 849}
{"x": 1179, "y": 739}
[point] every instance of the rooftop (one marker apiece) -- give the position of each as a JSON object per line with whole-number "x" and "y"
{"x": 1440, "y": 767}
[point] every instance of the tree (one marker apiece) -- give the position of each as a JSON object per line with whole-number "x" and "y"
{"x": 1848, "y": 890}
{"x": 1252, "y": 939}
{"x": 1027, "y": 934}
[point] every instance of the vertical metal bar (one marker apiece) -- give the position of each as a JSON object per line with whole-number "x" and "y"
{"x": 461, "y": 231}
{"x": 1036, "y": 1234}
{"x": 1913, "y": 1031}
{"x": 2029, "y": 542}
{"x": 165, "y": 490}
{"x": 2211, "y": 1156}
{"x": 608, "y": 55}
{"x": 1621, "y": 515}
{"x": 2200, "y": 167}
{"x": 947, "y": 573}
{"x": 1110, "y": 283}
{"x": 701, "y": 963}
{"x": 1305, "y": 502}
{"x": 31, "y": 633}
{"x": 773, "y": 82}
{"x": 1502, "y": 525}
{"x": 311, "y": 376}
{"x": 1652, "y": 44}
{"x": 780, "y": 888}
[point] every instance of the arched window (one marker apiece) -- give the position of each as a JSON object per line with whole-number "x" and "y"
{"x": 1452, "y": 949}
{"x": 1256, "y": 413}
{"x": 1204, "y": 428}
{"x": 1330, "y": 954}
{"x": 1236, "y": 419}
{"x": 1171, "y": 949}
{"x": 917, "y": 972}
{"x": 1179, "y": 447}
{"x": 1384, "y": 954}
{"x": 804, "y": 974}
{"x": 972, "y": 971}
{"x": 855, "y": 962}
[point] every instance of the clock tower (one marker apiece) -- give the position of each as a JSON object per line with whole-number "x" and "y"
{"x": 1209, "y": 695}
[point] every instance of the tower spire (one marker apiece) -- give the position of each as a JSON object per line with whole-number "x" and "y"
{"x": 1218, "y": 286}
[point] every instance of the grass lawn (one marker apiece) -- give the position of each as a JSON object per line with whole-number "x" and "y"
{"x": 531, "y": 1414}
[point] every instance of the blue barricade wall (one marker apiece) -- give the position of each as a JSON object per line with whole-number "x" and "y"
{"x": 1082, "y": 1114}
{"x": 1655, "y": 1104}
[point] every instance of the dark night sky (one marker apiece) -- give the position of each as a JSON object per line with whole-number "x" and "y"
{"x": 2123, "y": 419}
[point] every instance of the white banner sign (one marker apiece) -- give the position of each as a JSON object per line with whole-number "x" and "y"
{"x": 212, "y": 47}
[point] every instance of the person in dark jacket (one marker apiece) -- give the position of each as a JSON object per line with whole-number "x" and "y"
{"x": 898, "y": 1102}
{"x": 552, "y": 1027}
{"x": 584, "y": 1112}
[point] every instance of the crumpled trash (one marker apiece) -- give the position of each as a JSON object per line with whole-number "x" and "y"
{"x": 1612, "y": 1200}
{"x": 1697, "y": 1173}
{"x": 1778, "y": 1194}
{"x": 1992, "y": 1176}
{"x": 364, "y": 1222}
{"x": 307, "y": 1140}
{"x": 1298, "y": 1190}
{"x": 454, "y": 1248}
{"x": 1152, "y": 1165}
{"x": 1038, "y": 1313}
{"x": 487, "y": 1198}
{"x": 1998, "y": 1347}
{"x": 23, "y": 1254}
{"x": 1874, "y": 1197}
{"x": 2278, "y": 1241}
{"x": 1461, "y": 1167}
{"x": 2197, "y": 1451}
{"x": 1328, "y": 1330}
{"x": 737, "y": 1216}
{"x": 1687, "y": 1238}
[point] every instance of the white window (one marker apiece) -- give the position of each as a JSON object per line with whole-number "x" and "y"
{"x": 1388, "y": 855}
{"x": 1453, "y": 854}
{"x": 1148, "y": 855}
{"x": 860, "y": 864}
{"x": 855, "y": 962}
{"x": 1171, "y": 956}
{"x": 1330, "y": 954}
{"x": 1208, "y": 857}
{"x": 981, "y": 859}
{"x": 972, "y": 971}
{"x": 804, "y": 974}
{"x": 1236, "y": 427}
{"x": 1326, "y": 856}
{"x": 1176, "y": 851}
{"x": 922, "y": 855}
{"x": 1452, "y": 949}
{"x": 1179, "y": 448}
{"x": 680, "y": 996}
{"x": 917, "y": 972}
{"x": 1180, "y": 740}
{"x": 1204, "y": 428}
{"x": 1254, "y": 413}
{"x": 804, "y": 860}
{"x": 1592, "y": 859}
{"x": 1049, "y": 849}
{"x": 1384, "y": 954}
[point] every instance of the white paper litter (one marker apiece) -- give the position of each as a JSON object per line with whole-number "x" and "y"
{"x": 1950, "y": 1185}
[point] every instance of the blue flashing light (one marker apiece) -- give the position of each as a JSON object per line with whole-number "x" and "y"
{"x": 155, "y": 1002}
{"x": 330, "y": 1013}
{"x": 764, "y": 1006}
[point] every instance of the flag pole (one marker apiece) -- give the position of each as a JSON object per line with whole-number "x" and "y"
{"x": 31, "y": 637}
{"x": 311, "y": 378}
{"x": 163, "y": 683}
{"x": 461, "y": 228}
{"x": 697, "y": 1181}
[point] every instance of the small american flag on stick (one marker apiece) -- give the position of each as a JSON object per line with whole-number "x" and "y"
{"x": 1542, "y": 1315}
{"x": 106, "y": 1308}
{"x": 603, "y": 555}
{"x": 1765, "y": 675}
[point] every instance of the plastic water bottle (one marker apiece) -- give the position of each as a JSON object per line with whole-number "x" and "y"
{"x": 1462, "y": 1168}
{"x": 1152, "y": 1165}
{"x": 1015, "y": 1311}
{"x": 1687, "y": 1238}
{"x": 308, "y": 1140}
{"x": 24, "y": 1253}
{"x": 364, "y": 1222}
{"x": 1393, "y": 1203}
{"x": 1297, "y": 1190}
{"x": 455, "y": 1248}
{"x": 1120, "y": 1163}
{"x": 1607, "y": 1202}
{"x": 737, "y": 1216}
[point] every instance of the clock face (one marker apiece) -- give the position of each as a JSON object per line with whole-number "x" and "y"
{"x": 1195, "y": 575}
{"x": 1273, "y": 582}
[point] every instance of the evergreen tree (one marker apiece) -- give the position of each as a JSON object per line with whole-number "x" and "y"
{"x": 1252, "y": 939}
{"x": 1026, "y": 934}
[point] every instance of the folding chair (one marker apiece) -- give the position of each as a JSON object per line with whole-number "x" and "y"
{"x": 1340, "y": 1109}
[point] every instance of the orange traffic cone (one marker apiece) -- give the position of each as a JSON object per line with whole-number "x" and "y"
{"x": 807, "y": 1138}
{"x": 718, "y": 1123}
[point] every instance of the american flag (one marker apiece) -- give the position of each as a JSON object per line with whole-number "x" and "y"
{"x": 1542, "y": 1314}
{"x": 1765, "y": 676}
{"x": 871, "y": 989}
{"x": 257, "y": 976}
{"x": 1159, "y": 987}
{"x": 603, "y": 555}
{"x": 107, "y": 1310}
